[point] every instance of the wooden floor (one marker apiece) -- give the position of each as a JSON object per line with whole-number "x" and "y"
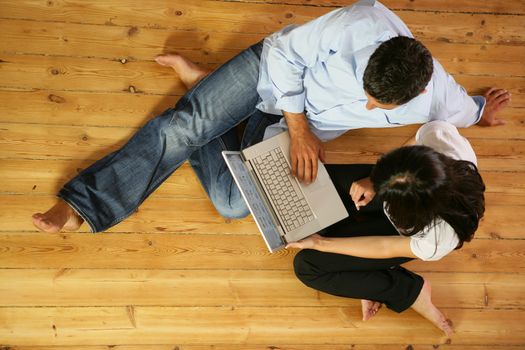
{"x": 77, "y": 78}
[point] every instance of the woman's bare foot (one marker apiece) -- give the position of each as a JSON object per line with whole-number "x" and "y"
{"x": 188, "y": 72}
{"x": 60, "y": 217}
{"x": 369, "y": 308}
{"x": 423, "y": 305}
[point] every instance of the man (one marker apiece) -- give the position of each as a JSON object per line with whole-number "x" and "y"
{"x": 354, "y": 67}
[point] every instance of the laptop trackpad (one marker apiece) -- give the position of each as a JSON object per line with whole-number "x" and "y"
{"x": 321, "y": 181}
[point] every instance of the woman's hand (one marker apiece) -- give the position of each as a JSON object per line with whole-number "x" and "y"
{"x": 310, "y": 242}
{"x": 362, "y": 192}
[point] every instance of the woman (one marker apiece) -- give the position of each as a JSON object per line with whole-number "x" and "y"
{"x": 420, "y": 201}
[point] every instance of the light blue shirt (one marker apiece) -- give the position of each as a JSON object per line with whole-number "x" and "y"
{"x": 318, "y": 68}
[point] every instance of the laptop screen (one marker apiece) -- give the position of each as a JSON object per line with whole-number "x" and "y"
{"x": 254, "y": 200}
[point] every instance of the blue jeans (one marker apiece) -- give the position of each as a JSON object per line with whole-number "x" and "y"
{"x": 201, "y": 125}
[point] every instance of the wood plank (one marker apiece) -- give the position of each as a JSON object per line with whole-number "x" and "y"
{"x": 478, "y": 59}
{"x": 114, "y": 43}
{"x": 102, "y": 287}
{"x": 247, "y": 325}
{"x": 174, "y": 214}
{"x": 491, "y": 6}
{"x": 82, "y": 108}
{"x": 103, "y": 75}
{"x": 478, "y": 85}
{"x": 213, "y": 251}
{"x": 35, "y": 141}
{"x": 43, "y": 177}
{"x": 46, "y": 177}
{"x": 155, "y": 215}
{"x": 59, "y": 141}
{"x": 281, "y": 347}
{"x": 464, "y": 28}
{"x": 356, "y": 149}
{"x": 87, "y": 74}
{"x": 134, "y": 110}
{"x": 257, "y": 18}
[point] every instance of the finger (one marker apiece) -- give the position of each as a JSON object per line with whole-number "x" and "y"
{"x": 300, "y": 168}
{"x": 505, "y": 103}
{"x": 352, "y": 188}
{"x": 498, "y": 93}
{"x": 315, "y": 164}
{"x": 363, "y": 202}
{"x": 293, "y": 160}
{"x": 307, "y": 176}
{"x": 502, "y": 98}
{"x": 490, "y": 91}
{"x": 358, "y": 193}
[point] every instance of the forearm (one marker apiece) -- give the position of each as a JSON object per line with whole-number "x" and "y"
{"x": 297, "y": 124}
{"x": 372, "y": 247}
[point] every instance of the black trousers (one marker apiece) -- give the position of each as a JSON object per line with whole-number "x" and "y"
{"x": 382, "y": 280}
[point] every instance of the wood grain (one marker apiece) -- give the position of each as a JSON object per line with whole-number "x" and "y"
{"x": 240, "y": 17}
{"x": 244, "y": 325}
{"x": 167, "y": 211}
{"x": 46, "y": 177}
{"x": 106, "y": 287}
{"x": 103, "y": 75}
{"x": 213, "y": 251}
{"x": 281, "y": 347}
{"x": 77, "y": 79}
{"x": 114, "y": 43}
{"x": 36, "y": 141}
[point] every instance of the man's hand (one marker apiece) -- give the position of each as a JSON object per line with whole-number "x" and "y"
{"x": 496, "y": 100}
{"x": 309, "y": 242}
{"x": 305, "y": 148}
{"x": 362, "y": 192}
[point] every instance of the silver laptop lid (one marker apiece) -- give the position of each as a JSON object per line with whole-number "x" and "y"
{"x": 257, "y": 205}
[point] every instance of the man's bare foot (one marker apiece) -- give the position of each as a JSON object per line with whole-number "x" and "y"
{"x": 423, "y": 305}
{"x": 497, "y": 99}
{"x": 369, "y": 308}
{"x": 60, "y": 217}
{"x": 188, "y": 72}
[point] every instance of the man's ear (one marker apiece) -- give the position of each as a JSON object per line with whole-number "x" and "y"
{"x": 423, "y": 92}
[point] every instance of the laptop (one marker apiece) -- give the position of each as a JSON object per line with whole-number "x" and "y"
{"x": 284, "y": 209}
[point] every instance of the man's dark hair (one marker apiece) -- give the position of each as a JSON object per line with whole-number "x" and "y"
{"x": 418, "y": 185}
{"x": 398, "y": 70}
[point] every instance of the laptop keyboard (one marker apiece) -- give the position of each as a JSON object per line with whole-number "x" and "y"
{"x": 289, "y": 202}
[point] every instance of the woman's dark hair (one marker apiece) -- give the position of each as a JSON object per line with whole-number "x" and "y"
{"x": 418, "y": 185}
{"x": 398, "y": 70}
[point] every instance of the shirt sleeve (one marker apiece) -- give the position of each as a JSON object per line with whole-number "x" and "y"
{"x": 435, "y": 241}
{"x": 298, "y": 48}
{"x": 452, "y": 103}
{"x": 445, "y": 138}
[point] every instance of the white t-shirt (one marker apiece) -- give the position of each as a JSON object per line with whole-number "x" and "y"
{"x": 438, "y": 239}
